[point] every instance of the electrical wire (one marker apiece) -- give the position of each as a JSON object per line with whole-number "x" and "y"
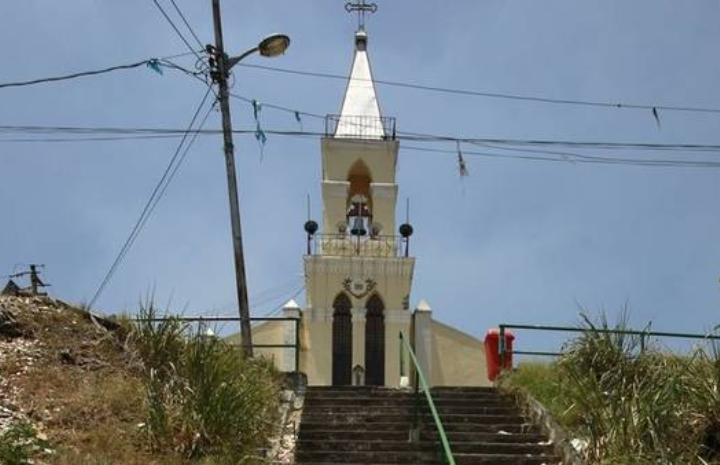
{"x": 177, "y": 31}
{"x": 495, "y": 95}
{"x": 155, "y": 197}
{"x": 515, "y": 145}
{"x": 135, "y": 132}
{"x": 164, "y": 61}
{"x": 74, "y": 75}
{"x": 558, "y": 156}
{"x": 565, "y": 157}
{"x": 187, "y": 24}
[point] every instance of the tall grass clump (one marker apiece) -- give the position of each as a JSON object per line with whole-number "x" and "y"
{"x": 203, "y": 397}
{"x": 703, "y": 397}
{"x": 628, "y": 401}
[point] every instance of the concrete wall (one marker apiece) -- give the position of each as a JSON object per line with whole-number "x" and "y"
{"x": 271, "y": 332}
{"x": 458, "y": 359}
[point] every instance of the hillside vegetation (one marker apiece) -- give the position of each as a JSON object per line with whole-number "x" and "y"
{"x": 625, "y": 404}
{"x": 81, "y": 390}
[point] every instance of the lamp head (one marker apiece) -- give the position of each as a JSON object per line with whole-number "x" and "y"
{"x": 274, "y": 45}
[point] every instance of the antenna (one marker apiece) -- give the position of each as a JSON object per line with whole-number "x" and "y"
{"x": 308, "y": 206}
{"x": 407, "y": 210}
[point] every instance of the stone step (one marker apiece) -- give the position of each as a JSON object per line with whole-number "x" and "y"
{"x": 463, "y": 389}
{"x": 506, "y": 459}
{"x": 425, "y": 446}
{"x": 395, "y": 393}
{"x": 400, "y": 457}
{"x": 443, "y": 410}
{"x": 366, "y": 457}
{"x": 440, "y": 389}
{"x": 495, "y": 437}
{"x": 339, "y": 419}
{"x": 425, "y": 434}
{"x": 451, "y": 428}
{"x": 408, "y": 401}
{"x": 467, "y": 459}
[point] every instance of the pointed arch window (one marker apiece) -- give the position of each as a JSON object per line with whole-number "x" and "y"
{"x": 342, "y": 341}
{"x": 375, "y": 341}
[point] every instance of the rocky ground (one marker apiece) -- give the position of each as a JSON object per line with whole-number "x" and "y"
{"x": 67, "y": 382}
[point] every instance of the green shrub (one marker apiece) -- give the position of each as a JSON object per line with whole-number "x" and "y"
{"x": 203, "y": 396}
{"x": 19, "y": 444}
{"x": 630, "y": 401}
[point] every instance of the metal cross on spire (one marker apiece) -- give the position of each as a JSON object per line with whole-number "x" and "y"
{"x": 362, "y": 8}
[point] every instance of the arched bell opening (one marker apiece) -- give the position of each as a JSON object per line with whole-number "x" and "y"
{"x": 375, "y": 341}
{"x": 342, "y": 341}
{"x": 359, "y": 201}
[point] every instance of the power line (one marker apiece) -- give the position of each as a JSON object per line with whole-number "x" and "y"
{"x": 496, "y": 95}
{"x": 177, "y": 31}
{"x": 565, "y": 157}
{"x": 402, "y": 135}
{"x": 75, "y": 75}
{"x": 90, "y": 139}
{"x": 535, "y": 147}
{"x": 187, "y": 24}
{"x": 157, "y": 193}
{"x": 151, "y": 62}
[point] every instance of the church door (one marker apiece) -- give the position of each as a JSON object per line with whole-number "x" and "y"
{"x": 375, "y": 342}
{"x": 342, "y": 341}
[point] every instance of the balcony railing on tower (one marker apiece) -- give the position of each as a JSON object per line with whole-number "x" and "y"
{"x": 346, "y": 245}
{"x": 360, "y": 127}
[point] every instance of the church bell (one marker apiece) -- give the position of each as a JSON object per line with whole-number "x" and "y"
{"x": 358, "y": 227}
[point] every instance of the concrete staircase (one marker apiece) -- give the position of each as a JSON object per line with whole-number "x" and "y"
{"x": 370, "y": 425}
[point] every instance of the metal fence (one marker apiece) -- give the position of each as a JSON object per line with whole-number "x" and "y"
{"x": 226, "y": 319}
{"x": 360, "y": 127}
{"x": 345, "y": 245}
{"x": 643, "y": 334}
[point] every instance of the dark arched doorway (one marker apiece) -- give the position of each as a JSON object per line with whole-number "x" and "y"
{"x": 375, "y": 342}
{"x": 342, "y": 341}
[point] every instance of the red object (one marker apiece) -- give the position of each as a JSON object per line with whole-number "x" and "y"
{"x": 492, "y": 352}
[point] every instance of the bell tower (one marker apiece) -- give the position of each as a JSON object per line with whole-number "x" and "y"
{"x": 358, "y": 271}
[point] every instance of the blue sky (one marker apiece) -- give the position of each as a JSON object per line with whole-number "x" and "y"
{"x": 516, "y": 241}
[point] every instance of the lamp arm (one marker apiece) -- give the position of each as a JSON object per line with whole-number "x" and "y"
{"x": 230, "y": 62}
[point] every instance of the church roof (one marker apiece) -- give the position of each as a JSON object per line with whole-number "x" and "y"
{"x": 360, "y": 110}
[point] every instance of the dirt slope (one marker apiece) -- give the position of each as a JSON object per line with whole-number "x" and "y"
{"x": 72, "y": 379}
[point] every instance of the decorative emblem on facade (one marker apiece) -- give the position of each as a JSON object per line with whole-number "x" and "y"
{"x": 359, "y": 289}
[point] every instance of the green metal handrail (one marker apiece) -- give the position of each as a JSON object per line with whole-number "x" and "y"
{"x": 405, "y": 346}
{"x": 502, "y": 349}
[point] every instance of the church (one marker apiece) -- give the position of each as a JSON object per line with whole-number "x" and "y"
{"x": 359, "y": 267}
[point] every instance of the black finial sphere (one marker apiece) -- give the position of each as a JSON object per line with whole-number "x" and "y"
{"x": 406, "y": 230}
{"x": 311, "y": 227}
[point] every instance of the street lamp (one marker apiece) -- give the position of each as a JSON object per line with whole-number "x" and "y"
{"x": 270, "y": 46}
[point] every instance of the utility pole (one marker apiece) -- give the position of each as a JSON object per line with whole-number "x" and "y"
{"x": 229, "y": 148}
{"x": 35, "y": 282}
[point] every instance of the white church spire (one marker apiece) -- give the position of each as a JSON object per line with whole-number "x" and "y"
{"x": 360, "y": 115}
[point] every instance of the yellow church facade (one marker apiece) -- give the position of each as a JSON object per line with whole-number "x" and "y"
{"x": 359, "y": 270}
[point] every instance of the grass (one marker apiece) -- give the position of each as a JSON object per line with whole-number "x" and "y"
{"x": 203, "y": 396}
{"x": 145, "y": 393}
{"x": 629, "y": 403}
